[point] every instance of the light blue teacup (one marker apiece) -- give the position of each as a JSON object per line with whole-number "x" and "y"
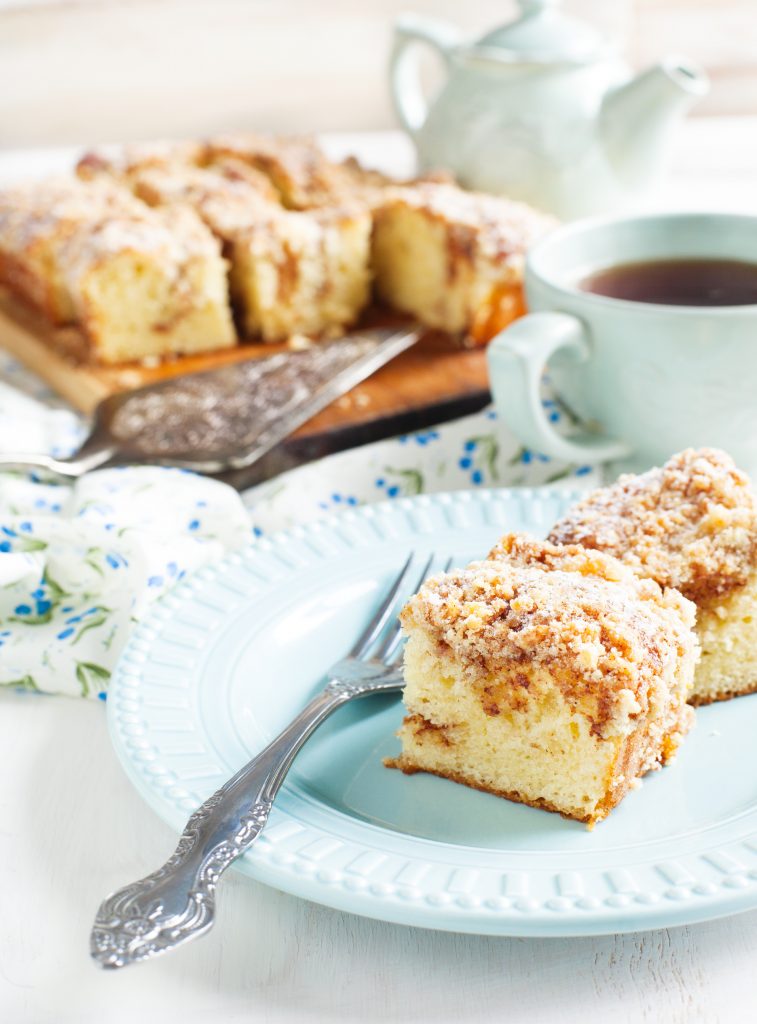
{"x": 646, "y": 380}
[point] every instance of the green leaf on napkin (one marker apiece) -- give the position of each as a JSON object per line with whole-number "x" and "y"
{"x": 412, "y": 479}
{"x": 93, "y": 623}
{"x": 487, "y": 447}
{"x": 56, "y": 590}
{"x": 24, "y": 683}
{"x": 34, "y": 620}
{"x": 29, "y": 544}
{"x": 90, "y": 675}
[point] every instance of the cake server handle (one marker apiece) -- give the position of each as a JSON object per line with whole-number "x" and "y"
{"x": 97, "y": 450}
{"x": 72, "y": 468}
{"x": 176, "y": 903}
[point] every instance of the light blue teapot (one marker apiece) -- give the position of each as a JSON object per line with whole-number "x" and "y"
{"x": 541, "y": 109}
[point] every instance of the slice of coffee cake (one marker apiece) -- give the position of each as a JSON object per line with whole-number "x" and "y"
{"x": 691, "y": 524}
{"x": 454, "y": 259}
{"x": 291, "y": 272}
{"x": 35, "y": 219}
{"x": 135, "y": 282}
{"x": 550, "y": 676}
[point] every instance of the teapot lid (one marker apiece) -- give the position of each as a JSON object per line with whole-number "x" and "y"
{"x": 542, "y": 34}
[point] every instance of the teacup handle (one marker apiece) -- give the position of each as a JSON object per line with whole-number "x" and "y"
{"x": 517, "y": 359}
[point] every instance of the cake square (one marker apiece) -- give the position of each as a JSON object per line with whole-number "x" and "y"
{"x": 303, "y": 273}
{"x": 136, "y": 282}
{"x": 690, "y": 524}
{"x": 453, "y": 259}
{"x": 291, "y": 272}
{"x": 547, "y": 675}
{"x": 35, "y": 219}
{"x": 150, "y": 287}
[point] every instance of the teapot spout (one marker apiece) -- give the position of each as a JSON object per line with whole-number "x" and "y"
{"x": 636, "y": 119}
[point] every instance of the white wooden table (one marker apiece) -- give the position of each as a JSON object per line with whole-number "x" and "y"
{"x": 72, "y": 829}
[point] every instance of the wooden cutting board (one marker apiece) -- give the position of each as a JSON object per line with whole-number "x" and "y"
{"x": 435, "y": 380}
{"x": 436, "y": 372}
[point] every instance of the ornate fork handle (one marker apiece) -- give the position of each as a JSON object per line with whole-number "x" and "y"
{"x": 177, "y": 902}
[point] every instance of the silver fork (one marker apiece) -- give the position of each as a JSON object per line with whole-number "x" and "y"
{"x": 176, "y": 903}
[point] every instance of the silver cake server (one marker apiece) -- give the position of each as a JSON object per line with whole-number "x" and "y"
{"x": 227, "y": 418}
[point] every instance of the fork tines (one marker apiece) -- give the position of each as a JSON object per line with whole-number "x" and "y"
{"x": 384, "y": 627}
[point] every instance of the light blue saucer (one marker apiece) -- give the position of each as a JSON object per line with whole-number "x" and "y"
{"x": 225, "y": 661}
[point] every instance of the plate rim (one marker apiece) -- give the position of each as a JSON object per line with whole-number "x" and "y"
{"x": 275, "y": 861}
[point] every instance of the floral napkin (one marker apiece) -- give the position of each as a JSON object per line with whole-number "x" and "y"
{"x": 80, "y": 563}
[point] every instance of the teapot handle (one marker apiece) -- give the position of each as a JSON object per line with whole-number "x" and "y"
{"x": 404, "y": 73}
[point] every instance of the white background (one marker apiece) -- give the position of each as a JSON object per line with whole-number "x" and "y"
{"x": 102, "y": 70}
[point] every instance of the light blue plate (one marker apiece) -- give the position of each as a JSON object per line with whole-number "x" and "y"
{"x": 223, "y": 663}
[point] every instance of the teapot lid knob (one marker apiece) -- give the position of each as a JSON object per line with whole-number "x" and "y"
{"x": 544, "y": 34}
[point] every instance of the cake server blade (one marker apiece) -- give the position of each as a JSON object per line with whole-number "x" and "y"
{"x": 228, "y": 418}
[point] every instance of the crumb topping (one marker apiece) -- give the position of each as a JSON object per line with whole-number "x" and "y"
{"x": 229, "y": 205}
{"x": 241, "y": 192}
{"x": 290, "y": 169}
{"x": 606, "y": 636}
{"x": 137, "y": 156}
{"x": 295, "y": 164}
{"x": 234, "y": 204}
{"x": 492, "y": 226}
{"x": 299, "y": 169}
{"x": 293, "y": 168}
{"x": 82, "y": 222}
{"x": 690, "y": 524}
{"x": 521, "y": 549}
{"x": 58, "y": 206}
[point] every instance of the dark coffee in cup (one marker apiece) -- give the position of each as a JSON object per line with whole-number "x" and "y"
{"x": 678, "y": 282}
